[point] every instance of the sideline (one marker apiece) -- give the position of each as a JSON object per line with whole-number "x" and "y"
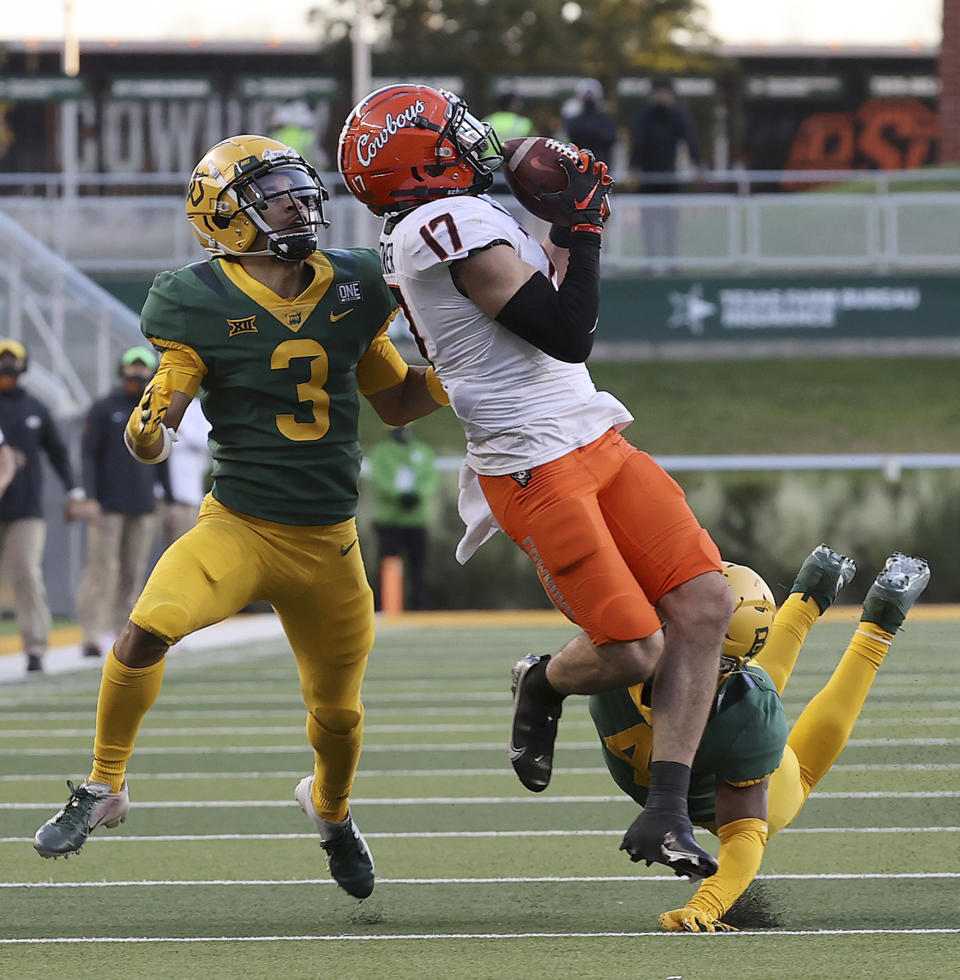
{"x": 67, "y": 657}
{"x": 64, "y": 654}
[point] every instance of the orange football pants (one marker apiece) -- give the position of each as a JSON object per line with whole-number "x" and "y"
{"x": 609, "y": 531}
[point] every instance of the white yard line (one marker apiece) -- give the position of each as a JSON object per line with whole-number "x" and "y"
{"x": 364, "y": 774}
{"x": 375, "y": 729}
{"x": 419, "y": 747}
{"x": 372, "y": 697}
{"x": 745, "y": 936}
{"x": 457, "y": 834}
{"x": 468, "y": 800}
{"x": 524, "y": 880}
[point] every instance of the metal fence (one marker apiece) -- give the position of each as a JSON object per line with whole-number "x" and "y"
{"x": 882, "y": 222}
{"x": 74, "y": 330}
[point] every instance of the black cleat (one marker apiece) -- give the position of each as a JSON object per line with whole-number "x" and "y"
{"x": 894, "y": 591}
{"x": 823, "y": 574}
{"x": 533, "y": 730}
{"x": 667, "y": 838}
{"x": 34, "y": 663}
{"x": 349, "y": 860}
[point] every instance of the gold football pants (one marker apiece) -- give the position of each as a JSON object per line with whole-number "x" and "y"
{"x": 315, "y": 580}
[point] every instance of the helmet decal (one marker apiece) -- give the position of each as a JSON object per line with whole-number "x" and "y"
{"x": 391, "y": 125}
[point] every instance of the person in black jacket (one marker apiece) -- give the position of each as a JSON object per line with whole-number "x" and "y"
{"x": 122, "y": 514}
{"x": 29, "y": 428}
{"x": 658, "y": 130}
{"x": 590, "y": 127}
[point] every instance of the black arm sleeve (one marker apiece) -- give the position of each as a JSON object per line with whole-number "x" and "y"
{"x": 560, "y": 322}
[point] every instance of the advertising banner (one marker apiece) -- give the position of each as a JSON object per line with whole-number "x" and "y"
{"x": 773, "y": 308}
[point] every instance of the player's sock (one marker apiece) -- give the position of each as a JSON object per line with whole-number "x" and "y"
{"x": 126, "y": 695}
{"x": 825, "y": 725}
{"x": 337, "y": 755}
{"x": 793, "y": 622}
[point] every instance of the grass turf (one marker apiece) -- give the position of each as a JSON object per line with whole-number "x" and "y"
{"x": 782, "y": 405}
{"x": 476, "y": 878}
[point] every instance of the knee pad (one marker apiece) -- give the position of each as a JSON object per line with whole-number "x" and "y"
{"x": 329, "y": 720}
{"x": 166, "y": 615}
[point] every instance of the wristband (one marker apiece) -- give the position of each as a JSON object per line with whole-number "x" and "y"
{"x": 169, "y": 438}
{"x": 77, "y": 493}
{"x": 588, "y": 227}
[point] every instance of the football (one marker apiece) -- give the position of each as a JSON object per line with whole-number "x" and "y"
{"x": 531, "y": 168}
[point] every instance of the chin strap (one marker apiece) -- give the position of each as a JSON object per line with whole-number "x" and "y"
{"x": 293, "y": 248}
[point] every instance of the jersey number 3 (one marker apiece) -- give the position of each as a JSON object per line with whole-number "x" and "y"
{"x": 310, "y": 390}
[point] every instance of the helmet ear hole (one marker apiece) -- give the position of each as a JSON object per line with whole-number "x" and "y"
{"x": 221, "y": 221}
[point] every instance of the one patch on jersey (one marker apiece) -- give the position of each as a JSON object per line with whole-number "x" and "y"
{"x": 246, "y": 324}
{"x": 349, "y": 292}
{"x": 294, "y": 319}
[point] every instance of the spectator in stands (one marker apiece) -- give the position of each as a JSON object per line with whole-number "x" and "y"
{"x": 403, "y": 472}
{"x": 29, "y": 428}
{"x": 188, "y": 465}
{"x": 589, "y": 126}
{"x": 508, "y": 120}
{"x": 122, "y": 515}
{"x": 656, "y": 134}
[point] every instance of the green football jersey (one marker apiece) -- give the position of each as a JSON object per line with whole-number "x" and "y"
{"x": 743, "y": 740}
{"x": 280, "y": 390}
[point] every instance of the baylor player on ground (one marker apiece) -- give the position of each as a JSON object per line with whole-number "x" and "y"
{"x": 750, "y": 778}
{"x": 278, "y": 339}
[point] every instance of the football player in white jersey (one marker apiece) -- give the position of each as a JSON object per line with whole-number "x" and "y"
{"x": 507, "y": 324}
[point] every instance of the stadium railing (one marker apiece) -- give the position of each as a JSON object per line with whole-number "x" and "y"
{"x": 726, "y": 221}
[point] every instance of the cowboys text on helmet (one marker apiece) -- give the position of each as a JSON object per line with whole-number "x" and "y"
{"x": 391, "y": 124}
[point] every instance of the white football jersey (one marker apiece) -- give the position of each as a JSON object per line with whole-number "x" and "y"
{"x": 519, "y": 407}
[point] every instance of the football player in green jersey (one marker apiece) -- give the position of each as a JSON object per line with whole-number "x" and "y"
{"x": 278, "y": 339}
{"x": 750, "y": 778}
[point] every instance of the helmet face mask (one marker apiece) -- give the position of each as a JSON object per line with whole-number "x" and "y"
{"x": 404, "y": 145}
{"x": 251, "y": 191}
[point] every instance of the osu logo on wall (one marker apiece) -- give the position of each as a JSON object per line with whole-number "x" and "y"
{"x": 886, "y": 134}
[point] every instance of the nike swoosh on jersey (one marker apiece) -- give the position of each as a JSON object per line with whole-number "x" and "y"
{"x": 346, "y": 551}
{"x": 339, "y": 316}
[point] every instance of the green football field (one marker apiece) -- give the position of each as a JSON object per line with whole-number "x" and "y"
{"x": 216, "y": 872}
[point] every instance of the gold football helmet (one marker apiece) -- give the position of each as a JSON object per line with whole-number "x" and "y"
{"x": 754, "y": 609}
{"x": 232, "y": 187}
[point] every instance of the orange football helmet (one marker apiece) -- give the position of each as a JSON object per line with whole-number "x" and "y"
{"x": 404, "y": 145}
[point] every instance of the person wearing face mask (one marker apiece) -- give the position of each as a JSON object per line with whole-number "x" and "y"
{"x": 656, "y": 134}
{"x": 28, "y": 429}
{"x": 122, "y": 506}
